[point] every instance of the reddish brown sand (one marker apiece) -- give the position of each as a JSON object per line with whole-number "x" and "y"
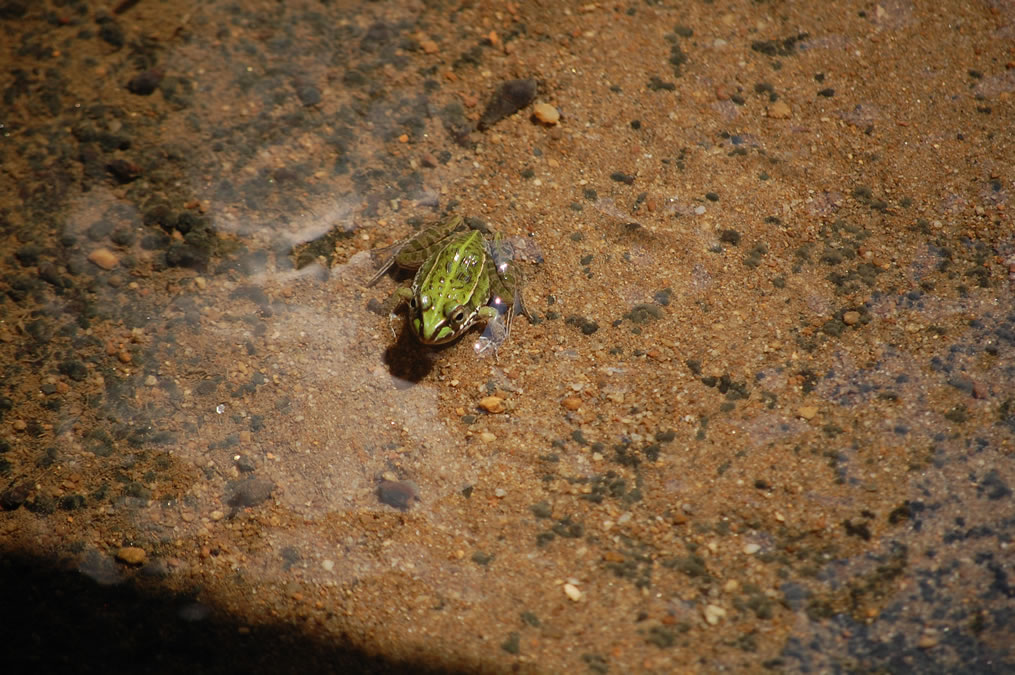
{"x": 762, "y": 416}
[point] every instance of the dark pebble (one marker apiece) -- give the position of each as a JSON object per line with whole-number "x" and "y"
{"x": 100, "y": 568}
{"x": 509, "y": 98}
{"x": 111, "y": 33}
{"x": 513, "y": 643}
{"x": 123, "y": 236}
{"x": 184, "y": 255}
{"x": 587, "y": 326}
{"x": 656, "y": 84}
{"x": 160, "y": 215}
{"x": 14, "y": 496}
{"x": 74, "y": 369}
{"x": 248, "y": 492}
{"x": 99, "y": 230}
{"x": 731, "y": 237}
{"x": 145, "y": 84}
{"x": 827, "y": 93}
{"x": 245, "y": 464}
{"x": 622, "y": 177}
{"x": 123, "y": 171}
{"x": 398, "y": 494}
{"x": 28, "y": 255}
{"x": 308, "y": 94}
{"x": 49, "y": 273}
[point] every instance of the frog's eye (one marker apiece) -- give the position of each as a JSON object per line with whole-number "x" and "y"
{"x": 457, "y": 315}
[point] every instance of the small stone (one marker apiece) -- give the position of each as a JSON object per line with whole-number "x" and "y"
{"x": 151, "y": 381}
{"x": 492, "y": 404}
{"x": 145, "y": 84}
{"x": 487, "y": 437}
{"x": 546, "y": 113}
{"x": 20, "y": 425}
{"x": 104, "y": 258}
{"x": 217, "y": 515}
{"x": 399, "y": 494}
{"x": 808, "y": 412}
{"x": 928, "y": 639}
{"x": 572, "y": 592}
{"x": 714, "y": 614}
{"x": 327, "y": 565}
{"x": 779, "y": 110}
{"x": 572, "y": 403}
{"x": 429, "y": 47}
{"x": 751, "y": 549}
{"x": 248, "y": 492}
{"x": 851, "y": 318}
{"x": 131, "y": 555}
{"x": 124, "y": 356}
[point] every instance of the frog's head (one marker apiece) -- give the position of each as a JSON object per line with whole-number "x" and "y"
{"x": 435, "y": 321}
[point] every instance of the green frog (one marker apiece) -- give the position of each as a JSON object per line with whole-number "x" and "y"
{"x": 462, "y": 279}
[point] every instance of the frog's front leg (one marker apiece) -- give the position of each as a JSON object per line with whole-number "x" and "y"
{"x": 401, "y": 294}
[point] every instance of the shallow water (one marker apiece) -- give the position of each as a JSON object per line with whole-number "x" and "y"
{"x": 761, "y": 416}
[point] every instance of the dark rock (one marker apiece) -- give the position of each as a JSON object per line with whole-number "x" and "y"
{"x": 99, "y": 230}
{"x": 15, "y": 496}
{"x": 247, "y": 492}
{"x": 184, "y": 255}
{"x": 145, "y": 84}
{"x": 28, "y": 255}
{"x": 509, "y": 98}
{"x": 308, "y": 94}
{"x": 100, "y": 568}
{"x": 112, "y": 33}
{"x": 124, "y": 171}
{"x": 399, "y": 494}
{"x": 49, "y": 273}
{"x": 74, "y": 369}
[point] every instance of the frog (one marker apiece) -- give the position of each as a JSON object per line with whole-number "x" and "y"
{"x": 462, "y": 279}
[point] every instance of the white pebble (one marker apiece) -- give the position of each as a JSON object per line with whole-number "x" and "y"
{"x": 751, "y": 549}
{"x": 328, "y": 565}
{"x": 714, "y": 614}
{"x": 572, "y": 592}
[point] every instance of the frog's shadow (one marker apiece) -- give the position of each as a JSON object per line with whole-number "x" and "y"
{"x": 408, "y": 361}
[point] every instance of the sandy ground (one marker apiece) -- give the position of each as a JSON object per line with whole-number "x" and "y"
{"x": 761, "y": 418}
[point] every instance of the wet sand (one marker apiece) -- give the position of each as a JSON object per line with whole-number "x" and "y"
{"x": 761, "y": 417}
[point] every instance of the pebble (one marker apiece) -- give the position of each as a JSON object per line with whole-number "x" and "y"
{"x": 928, "y": 639}
{"x": 492, "y": 404}
{"x": 487, "y": 437}
{"x": 808, "y": 412}
{"x": 714, "y": 614}
{"x": 104, "y": 258}
{"x": 851, "y": 318}
{"x": 572, "y": 592}
{"x": 328, "y": 565}
{"x": 546, "y": 113}
{"x": 572, "y": 403}
{"x": 779, "y": 110}
{"x": 131, "y": 555}
{"x": 751, "y": 549}
{"x": 248, "y": 492}
{"x": 399, "y": 494}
